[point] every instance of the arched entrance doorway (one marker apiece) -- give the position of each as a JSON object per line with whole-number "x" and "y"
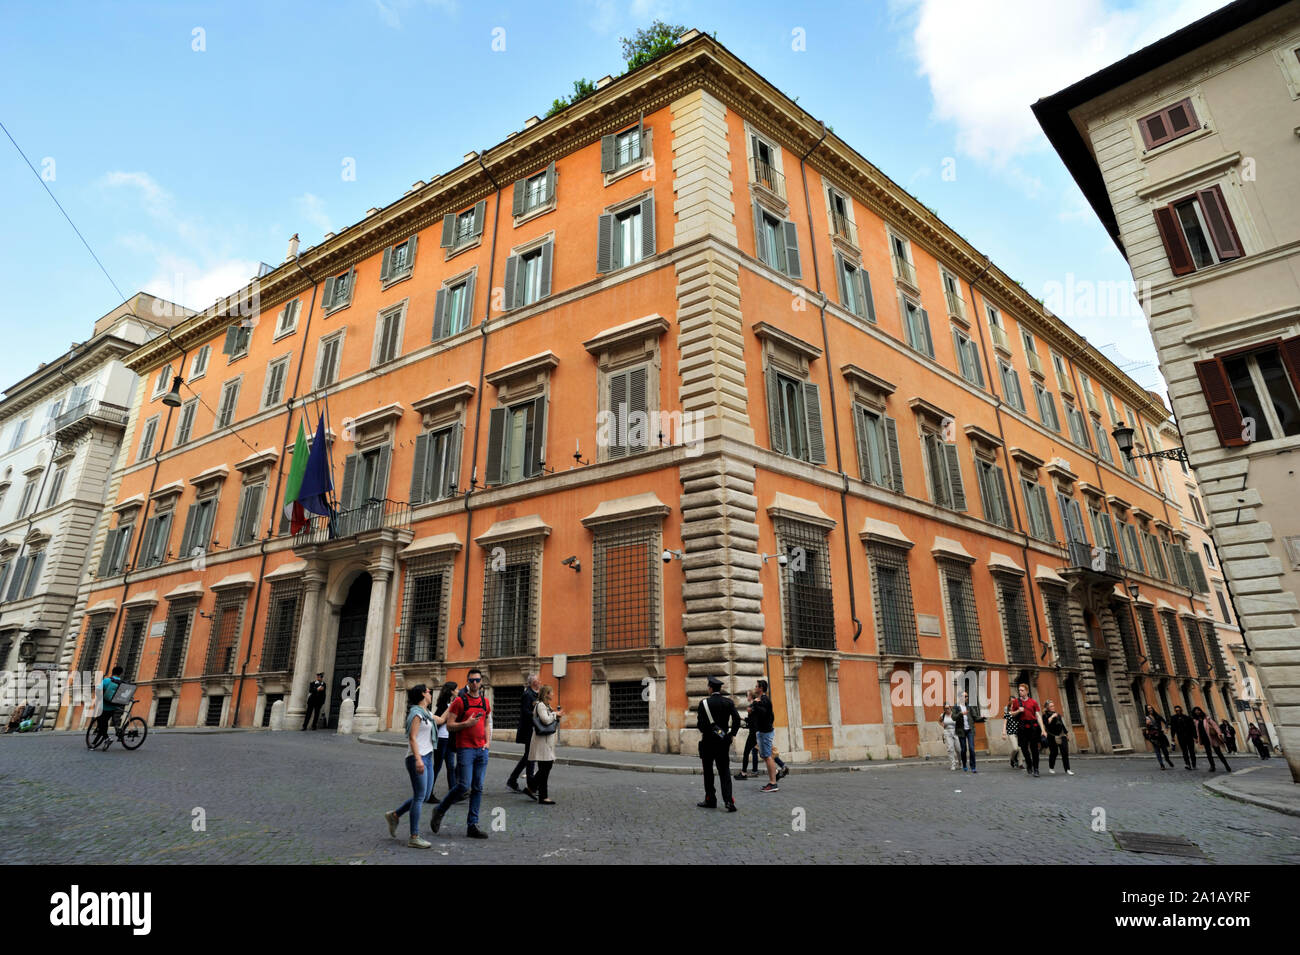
{"x": 1101, "y": 671}
{"x": 351, "y": 644}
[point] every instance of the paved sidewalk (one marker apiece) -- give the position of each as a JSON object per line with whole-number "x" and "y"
{"x": 1250, "y": 786}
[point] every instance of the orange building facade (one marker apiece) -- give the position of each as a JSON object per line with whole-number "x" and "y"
{"x": 671, "y": 384}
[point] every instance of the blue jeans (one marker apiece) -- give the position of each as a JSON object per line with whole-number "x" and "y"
{"x": 421, "y": 784}
{"x": 472, "y": 764}
{"x": 966, "y": 740}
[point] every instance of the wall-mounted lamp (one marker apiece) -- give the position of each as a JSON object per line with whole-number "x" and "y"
{"x": 573, "y": 563}
{"x": 1135, "y": 590}
{"x": 1123, "y": 436}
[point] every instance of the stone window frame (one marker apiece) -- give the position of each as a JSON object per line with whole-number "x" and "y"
{"x": 646, "y": 159}
{"x": 777, "y": 203}
{"x": 330, "y": 302}
{"x": 869, "y": 394}
{"x": 161, "y": 383}
{"x": 984, "y": 447}
{"x": 197, "y": 369}
{"x": 468, "y": 279}
{"x": 188, "y": 605}
{"x": 281, "y": 588}
{"x": 533, "y": 542}
{"x": 285, "y": 360}
{"x": 192, "y": 407}
{"x": 548, "y": 205}
{"x": 950, "y": 561}
{"x": 929, "y": 419}
{"x": 438, "y": 411}
{"x": 1054, "y": 591}
{"x": 228, "y": 598}
{"x": 1204, "y": 123}
{"x": 615, "y": 212}
{"x": 1005, "y": 575}
{"x": 255, "y": 471}
{"x": 1288, "y": 60}
{"x": 149, "y": 434}
{"x": 238, "y": 383}
{"x": 803, "y": 526}
{"x": 785, "y": 354}
{"x": 645, "y": 520}
{"x": 457, "y": 245}
{"x": 622, "y": 348}
{"x": 286, "y": 320}
{"x": 1005, "y": 368}
{"x": 321, "y": 347}
{"x": 850, "y": 245}
{"x": 383, "y": 315}
{"x": 519, "y": 253}
{"x": 389, "y": 278}
{"x": 893, "y": 235}
{"x": 517, "y": 383}
{"x": 440, "y": 561}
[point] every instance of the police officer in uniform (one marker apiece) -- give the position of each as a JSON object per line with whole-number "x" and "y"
{"x": 715, "y": 747}
{"x": 315, "y": 700}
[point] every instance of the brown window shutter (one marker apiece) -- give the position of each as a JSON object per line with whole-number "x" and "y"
{"x": 1155, "y": 129}
{"x": 1222, "y": 402}
{"x": 1290, "y": 350}
{"x": 1171, "y": 234}
{"x": 1180, "y": 118}
{"x": 1222, "y": 232}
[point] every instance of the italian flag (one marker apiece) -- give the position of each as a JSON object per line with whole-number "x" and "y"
{"x": 293, "y": 510}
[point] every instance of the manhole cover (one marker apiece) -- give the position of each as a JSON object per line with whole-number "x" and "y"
{"x": 1158, "y": 844}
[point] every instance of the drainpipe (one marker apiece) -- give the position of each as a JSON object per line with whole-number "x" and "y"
{"x": 275, "y": 498}
{"x": 1006, "y": 457}
{"x": 830, "y": 392}
{"x": 478, "y": 403}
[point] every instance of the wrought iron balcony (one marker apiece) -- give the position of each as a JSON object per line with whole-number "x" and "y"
{"x": 1097, "y": 560}
{"x": 765, "y": 175}
{"x": 87, "y": 414}
{"x": 956, "y": 307}
{"x": 905, "y": 271}
{"x": 375, "y": 514}
{"x": 843, "y": 227}
{"x": 1000, "y": 339}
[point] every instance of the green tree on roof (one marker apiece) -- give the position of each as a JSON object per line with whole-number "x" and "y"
{"x": 650, "y": 43}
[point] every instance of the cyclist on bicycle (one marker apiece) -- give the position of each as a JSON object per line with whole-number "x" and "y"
{"x": 108, "y": 690}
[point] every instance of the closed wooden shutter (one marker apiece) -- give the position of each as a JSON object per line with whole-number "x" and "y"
{"x": 860, "y": 425}
{"x": 480, "y": 215}
{"x": 380, "y": 490}
{"x": 953, "y": 462}
{"x": 448, "y": 230}
{"x": 775, "y": 425}
{"x": 925, "y": 330}
{"x": 841, "y": 275}
{"x": 936, "y": 459}
{"x": 105, "y": 558}
{"x": 512, "y": 279}
{"x": 466, "y": 316}
{"x": 451, "y": 477}
{"x": 792, "y": 267}
{"x": 618, "y": 409}
{"x": 760, "y": 242}
{"x": 517, "y": 205}
{"x": 16, "y": 583}
{"x": 607, "y": 153}
{"x": 419, "y": 465}
{"x": 647, "y": 228}
{"x": 1222, "y": 232}
{"x": 496, "y": 438}
{"x": 548, "y": 255}
{"x": 812, "y": 407}
{"x": 440, "y": 314}
{"x": 1004, "y": 502}
{"x": 349, "y": 487}
{"x": 1222, "y": 402}
{"x": 535, "y": 439}
{"x": 1171, "y": 234}
{"x": 386, "y": 264}
{"x": 895, "y": 459}
{"x": 34, "y": 576}
{"x": 187, "y": 535}
{"x": 550, "y": 183}
{"x": 868, "y": 310}
{"x": 605, "y": 243}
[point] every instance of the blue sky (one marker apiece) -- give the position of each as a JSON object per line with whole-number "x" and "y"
{"x": 185, "y": 167}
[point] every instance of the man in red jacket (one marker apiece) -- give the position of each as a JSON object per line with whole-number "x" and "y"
{"x": 1032, "y": 731}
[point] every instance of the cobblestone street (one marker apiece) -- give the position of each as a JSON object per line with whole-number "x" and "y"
{"x": 319, "y": 798}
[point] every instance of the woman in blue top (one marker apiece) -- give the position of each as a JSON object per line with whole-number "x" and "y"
{"x": 419, "y": 763}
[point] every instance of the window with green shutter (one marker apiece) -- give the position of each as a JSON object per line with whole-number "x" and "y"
{"x": 227, "y": 405}
{"x": 528, "y": 276}
{"x": 968, "y": 357}
{"x": 1040, "y": 520}
{"x": 993, "y": 492}
{"x": 249, "y": 514}
{"x": 516, "y": 441}
{"x": 916, "y": 322}
{"x": 944, "y": 467}
{"x": 627, "y": 428}
{"x": 435, "y": 472}
{"x": 1011, "y": 392}
{"x": 795, "y": 418}
{"x": 452, "y": 307}
{"x": 398, "y": 261}
{"x": 877, "y": 437}
{"x": 855, "y": 287}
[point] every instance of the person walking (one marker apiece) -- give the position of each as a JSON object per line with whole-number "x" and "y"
{"x": 1207, "y": 731}
{"x": 315, "y": 700}
{"x": 763, "y": 718}
{"x": 1058, "y": 738}
{"x": 1229, "y": 735}
{"x": 949, "y": 737}
{"x": 1185, "y": 734}
{"x": 751, "y": 739}
{"x": 965, "y": 715}
{"x": 524, "y": 734}
{"x": 541, "y": 747}
{"x": 419, "y": 763}
{"x": 444, "y": 753}
{"x": 718, "y": 722}
{"x": 1257, "y": 740}
{"x": 1031, "y": 731}
{"x": 468, "y": 718}
{"x": 1011, "y": 726}
{"x": 1153, "y": 730}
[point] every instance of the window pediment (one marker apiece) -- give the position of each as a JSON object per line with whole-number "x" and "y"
{"x": 638, "y": 337}
{"x": 523, "y": 377}
{"x": 1027, "y": 459}
{"x": 168, "y": 491}
{"x": 978, "y": 435}
{"x": 210, "y": 476}
{"x": 376, "y": 426}
{"x": 442, "y": 406}
{"x": 928, "y": 409}
{"x": 787, "y": 348}
{"x": 866, "y": 386}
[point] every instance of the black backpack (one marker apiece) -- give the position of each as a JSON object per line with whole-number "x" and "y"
{"x": 468, "y": 706}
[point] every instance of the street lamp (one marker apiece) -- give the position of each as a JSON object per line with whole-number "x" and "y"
{"x": 1134, "y": 590}
{"x": 173, "y": 398}
{"x": 1123, "y": 436}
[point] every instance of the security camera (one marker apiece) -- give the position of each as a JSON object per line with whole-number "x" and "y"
{"x": 667, "y": 557}
{"x": 783, "y": 560}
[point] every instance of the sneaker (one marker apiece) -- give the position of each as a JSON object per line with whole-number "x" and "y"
{"x": 391, "y": 819}
{"x": 740, "y": 776}
{"x": 731, "y": 806}
{"x": 783, "y": 772}
{"x": 703, "y": 805}
{"x": 975, "y": 772}
{"x": 474, "y": 832}
{"x": 437, "y": 820}
{"x": 415, "y": 842}
{"x": 1035, "y": 774}
{"x": 1052, "y": 771}
{"x": 1069, "y": 772}
{"x": 965, "y": 770}
{"x": 770, "y": 788}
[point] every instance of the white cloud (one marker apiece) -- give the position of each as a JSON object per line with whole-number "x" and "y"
{"x": 987, "y": 61}
{"x": 312, "y": 208}
{"x": 194, "y": 285}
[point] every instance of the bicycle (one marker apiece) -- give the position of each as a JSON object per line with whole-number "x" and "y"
{"x": 129, "y": 732}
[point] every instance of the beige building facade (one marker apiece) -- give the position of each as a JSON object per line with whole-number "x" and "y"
{"x": 1189, "y": 152}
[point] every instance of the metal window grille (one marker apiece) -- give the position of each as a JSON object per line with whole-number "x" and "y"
{"x": 1070, "y": 690}
{"x": 423, "y": 611}
{"x": 1058, "y": 619}
{"x": 1193, "y": 631}
{"x": 171, "y": 657}
{"x": 213, "y": 717}
{"x": 891, "y": 586}
{"x": 1216, "y": 651}
{"x": 1155, "y": 653}
{"x": 92, "y": 647}
{"x": 507, "y": 704}
{"x": 6, "y": 645}
{"x": 227, "y": 624}
{"x": 282, "y": 620}
{"x": 1015, "y": 620}
{"x": 1175, "y": 644}
{"x": 1127, "y": 638}
{"x": 627, "y": 709}
{"x": 806, "y": 586}
{"x": 128, "y": 655}
{"x": 164, "y": 711}
{"x": 271, "y": 700}
{"x": 509, "y": 599}
{"x": 625, "y": 587}
{"x": 962, "y": 613}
